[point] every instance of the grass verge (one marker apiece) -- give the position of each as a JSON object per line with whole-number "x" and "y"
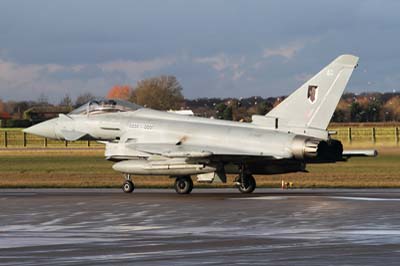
{"x": 88, "y": 169}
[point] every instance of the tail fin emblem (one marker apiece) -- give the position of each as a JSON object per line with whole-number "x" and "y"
{"x": 312, "y": 93}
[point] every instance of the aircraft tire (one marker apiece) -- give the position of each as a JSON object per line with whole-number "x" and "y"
{"x": 183, "y": 185}
{"x": 128, "y": 186}
{"x": 248, "y": 186}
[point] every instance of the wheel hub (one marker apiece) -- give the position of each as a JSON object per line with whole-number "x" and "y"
{"x": 182, "y": 185}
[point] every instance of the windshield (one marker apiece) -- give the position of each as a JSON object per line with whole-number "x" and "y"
{"x": 100, "y": 106}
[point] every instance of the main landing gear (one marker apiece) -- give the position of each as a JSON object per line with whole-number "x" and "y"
{"x": 128, "y": 185}
{"x": 183, "y": 184}
{"x": 245, "y": 182}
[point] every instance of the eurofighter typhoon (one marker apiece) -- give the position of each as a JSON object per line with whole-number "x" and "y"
{"x": 143, "y": 141}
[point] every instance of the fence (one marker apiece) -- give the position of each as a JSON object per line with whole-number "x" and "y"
{"x": 383, "y": 135}
{"x": 18, "y": 138}
{"x": 379, "y": 135}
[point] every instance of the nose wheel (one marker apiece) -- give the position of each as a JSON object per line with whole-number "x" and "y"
{"x": 128, "y": 185}
{"x": 183, "y": 185}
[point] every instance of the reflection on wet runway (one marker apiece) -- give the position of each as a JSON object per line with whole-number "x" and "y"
{"x": 302, "y": 227}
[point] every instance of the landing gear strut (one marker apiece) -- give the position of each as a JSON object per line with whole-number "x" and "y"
{"x": 183, "y": 185}
{"x": 128, "y": 185}
{"x": 245, "y": 182}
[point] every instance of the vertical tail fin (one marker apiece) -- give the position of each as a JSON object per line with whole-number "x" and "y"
{"x": 313, "y": 104}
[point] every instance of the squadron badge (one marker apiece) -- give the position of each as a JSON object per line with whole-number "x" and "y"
{"x": 312, "y": 93}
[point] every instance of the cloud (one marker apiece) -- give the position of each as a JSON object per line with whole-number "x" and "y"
{"x": 237, "y": 74}
{"x": 226, "y": 66}
{"x": 287, "y": 51}
{"x": 303, "y": 77}
{"x": 88, "y": 52}
{"x": 26, "y": 81}
{"x": 136, "y": 69}
{"x": 17, "y": 75}
{"x": 218, "y": 62}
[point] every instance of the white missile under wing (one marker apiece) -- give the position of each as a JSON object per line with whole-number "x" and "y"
{"x": 143, "y": 141}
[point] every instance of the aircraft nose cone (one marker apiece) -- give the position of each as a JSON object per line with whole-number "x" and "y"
{"x": 45, "y": 129}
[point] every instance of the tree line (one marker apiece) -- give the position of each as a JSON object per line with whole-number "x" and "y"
{"x": 165, "y": 93}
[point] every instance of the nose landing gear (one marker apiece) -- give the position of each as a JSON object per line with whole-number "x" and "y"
{"x": 128, "y": 185}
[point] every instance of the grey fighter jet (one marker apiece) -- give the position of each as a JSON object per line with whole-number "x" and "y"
{"x": 143, "y": 141}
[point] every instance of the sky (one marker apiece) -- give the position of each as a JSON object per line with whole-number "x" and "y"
{"x": 215, "y": 48}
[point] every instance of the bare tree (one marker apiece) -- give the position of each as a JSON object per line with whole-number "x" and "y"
{"x": 43, "y": 99}
{"x": 84, "y": 98}
{"x": 66, "y": 101}
{"x": 391, "y": 109}
{"x": 162, "y": 93}
{"x": 2, "y": 106}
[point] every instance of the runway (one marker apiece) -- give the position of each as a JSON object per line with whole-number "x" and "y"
{"x": 208, "y": 227}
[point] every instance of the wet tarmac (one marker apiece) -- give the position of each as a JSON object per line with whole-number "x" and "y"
{"x": 209, "y": 227}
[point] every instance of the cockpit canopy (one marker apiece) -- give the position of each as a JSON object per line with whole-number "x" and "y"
{"x": 100, "y": 106}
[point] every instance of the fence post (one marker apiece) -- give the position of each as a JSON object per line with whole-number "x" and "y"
{"x": 373, "y": 133}
{"x": 45, "y": 142}
{"x": 5, "y": 138}
{"x": 396, "y": 135}
{"x": 349, "y": 134}
{"x": 88, "y": 143}
{"x": 24, "y": 139}
{"x": 66, "y": 143}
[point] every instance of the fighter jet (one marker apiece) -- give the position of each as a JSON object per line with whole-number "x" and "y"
{"x": 142, "y": 141}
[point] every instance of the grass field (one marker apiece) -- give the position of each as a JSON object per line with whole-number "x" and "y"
{"x": 87, "y": 168}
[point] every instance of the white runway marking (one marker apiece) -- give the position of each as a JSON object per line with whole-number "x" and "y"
{"x": 374, "y": 232}
{"x": 334, "y": 197}
{"x": 127, "y": 228}
{"x": 263, "y": 198}
{"x": 366, "y": 198}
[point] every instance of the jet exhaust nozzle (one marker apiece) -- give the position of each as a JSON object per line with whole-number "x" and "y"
{"x": 311, "y": 149}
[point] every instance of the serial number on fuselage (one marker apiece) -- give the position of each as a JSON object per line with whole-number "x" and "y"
{"x": 146, "y": 126}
